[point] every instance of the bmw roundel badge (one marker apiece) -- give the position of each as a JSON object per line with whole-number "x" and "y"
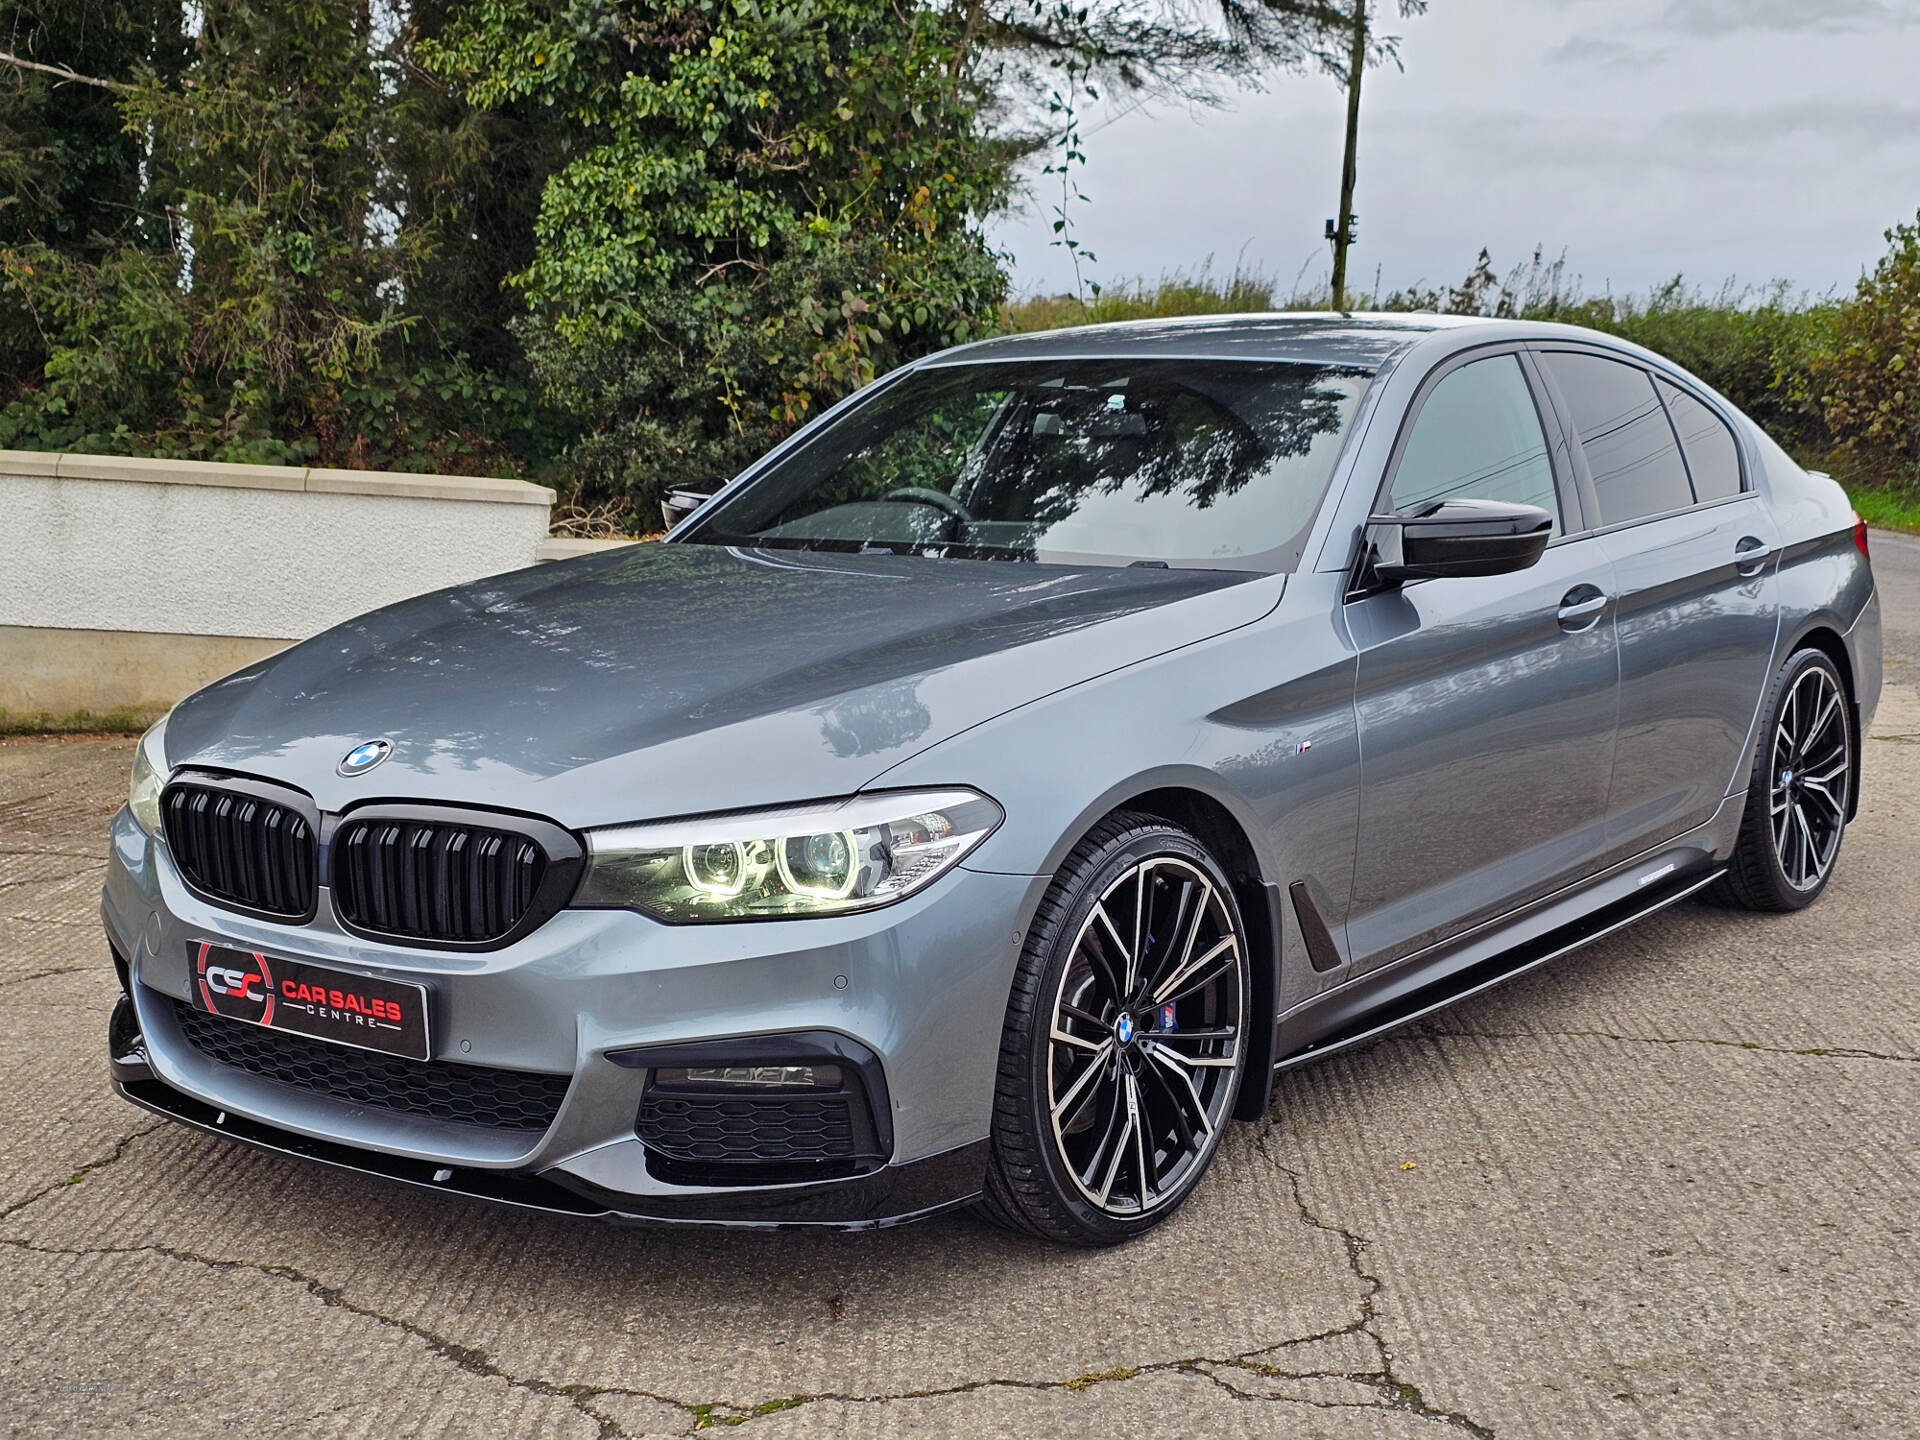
{"x": 364, "y": 756}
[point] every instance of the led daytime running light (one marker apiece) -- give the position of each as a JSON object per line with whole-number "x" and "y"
{"x": 826, "y": 858}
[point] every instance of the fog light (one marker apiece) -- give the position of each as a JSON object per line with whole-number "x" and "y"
{"x": 761, "y": 1077}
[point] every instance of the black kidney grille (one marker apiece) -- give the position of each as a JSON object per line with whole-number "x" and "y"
{"x": 425, "y": 881}
{"x": 242, "y": 849}
{"x": 443, "y": 1090}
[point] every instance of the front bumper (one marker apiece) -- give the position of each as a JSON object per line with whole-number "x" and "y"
{"x": 916, "y": 991}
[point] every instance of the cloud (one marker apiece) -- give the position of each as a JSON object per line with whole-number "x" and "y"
{"x": 1630, "y": 42}
{"x": 1723, "y": 17}
{"x": 1602, "y": 52}
{"x": 1728, "y": 138}
{"x": 1859, "y": 130}
{"x": 1797, "y": 189}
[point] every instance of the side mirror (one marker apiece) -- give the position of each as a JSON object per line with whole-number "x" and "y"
{"x": 1456, "y": 537}
{"x": 681, "y": 503}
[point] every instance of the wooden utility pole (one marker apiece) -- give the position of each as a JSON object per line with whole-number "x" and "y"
{"x": 1343, "y": 228}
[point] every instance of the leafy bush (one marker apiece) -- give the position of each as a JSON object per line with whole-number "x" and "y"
{"x": 1758, "y": 348}
{"x": 763, "y": 209}
{"x": 1867, "y": 379}
{"x": 258, "y": 309}
{"x": 1754, "y": 349}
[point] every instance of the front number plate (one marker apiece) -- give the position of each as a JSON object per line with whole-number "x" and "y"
{"x": 279, "y": 994}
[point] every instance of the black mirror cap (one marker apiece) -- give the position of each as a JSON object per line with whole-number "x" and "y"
{"x": 1451, "y": 538}
{"x": 681, "y": 503}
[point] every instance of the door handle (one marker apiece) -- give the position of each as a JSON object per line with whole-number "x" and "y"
{"x": 1751, "y": 554}
{"x": 1580, "y": 608}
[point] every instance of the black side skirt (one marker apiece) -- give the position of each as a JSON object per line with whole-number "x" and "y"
{"x": 1395, "y": 995}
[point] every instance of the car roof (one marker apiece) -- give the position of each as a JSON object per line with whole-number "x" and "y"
{"x": 1366, "y": 341}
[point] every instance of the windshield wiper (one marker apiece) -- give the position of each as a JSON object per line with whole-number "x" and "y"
{"x": 765, "y": 542}
{"x": 933, "y": 549}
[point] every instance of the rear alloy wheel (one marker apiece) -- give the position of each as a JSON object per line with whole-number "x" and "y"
{"x": 1800, "y": 789}
{"x": 1122, "y": 1054}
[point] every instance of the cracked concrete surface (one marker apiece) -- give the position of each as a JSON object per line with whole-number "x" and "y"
{"x": 1665, "y": 1186}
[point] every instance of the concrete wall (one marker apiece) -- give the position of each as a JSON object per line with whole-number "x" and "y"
{"x": 56, "y": 671}
{"x": 129, "y": 582}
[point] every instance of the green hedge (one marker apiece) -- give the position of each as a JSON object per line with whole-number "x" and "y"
{"x": 1835, "y": 381}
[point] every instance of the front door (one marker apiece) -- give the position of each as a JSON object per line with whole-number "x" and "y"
{"x": 1486, "y": 705}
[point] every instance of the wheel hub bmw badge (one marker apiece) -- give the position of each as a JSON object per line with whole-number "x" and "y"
{"x": 1124, "y": 1029}
{"x": 364, "y": 756}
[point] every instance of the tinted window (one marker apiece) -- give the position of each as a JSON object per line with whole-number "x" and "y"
{"x": 1478, "y": 437}
{"x": 1630, "y": 447}
{"x": 1712, "y": 456}
{"x": 1084, "y": 461}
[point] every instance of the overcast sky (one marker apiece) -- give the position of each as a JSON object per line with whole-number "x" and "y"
{"x": 1751, "y": 139}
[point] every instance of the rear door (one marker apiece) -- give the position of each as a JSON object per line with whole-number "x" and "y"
{"x": 1693, "y": 550}
{"x": 1485, "y": 705}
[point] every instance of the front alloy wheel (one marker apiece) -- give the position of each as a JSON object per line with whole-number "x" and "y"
{"x": 1122, "y": 1055}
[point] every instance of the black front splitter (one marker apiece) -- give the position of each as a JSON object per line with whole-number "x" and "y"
{"x": 893, "y": 1195}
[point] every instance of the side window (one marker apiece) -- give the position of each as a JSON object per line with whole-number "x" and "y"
{"x": 1713, "y": 457}
{"x": 1478, "y": 437}
{"x": 1636, "y": 464}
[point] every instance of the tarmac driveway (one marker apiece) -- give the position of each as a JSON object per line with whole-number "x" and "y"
{"x": 1665, "y": 1186}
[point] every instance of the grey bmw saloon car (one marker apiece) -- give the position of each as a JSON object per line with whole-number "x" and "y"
{"x": 984, "y": 795}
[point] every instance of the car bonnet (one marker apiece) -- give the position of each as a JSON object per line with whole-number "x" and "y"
{"x": 671, "y": 679}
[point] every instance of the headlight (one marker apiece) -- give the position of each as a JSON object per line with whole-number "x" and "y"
{"x": 149, "y": 774}
{"x": 826, "y": 859}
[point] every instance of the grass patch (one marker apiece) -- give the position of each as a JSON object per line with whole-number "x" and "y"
{"x": 1088, "y": 1381}
{"x": 121, "y": 720}
{"x": 790, "y": 1402}
{"x": 1179, "y": 292}
{"x": 1887, "y": 509}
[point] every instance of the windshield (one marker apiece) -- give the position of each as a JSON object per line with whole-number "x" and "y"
{"x": 1182, "y": 462}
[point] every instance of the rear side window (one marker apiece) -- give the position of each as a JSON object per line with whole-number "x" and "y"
{"x": 1636, "y": 464}
{"x": 1478, "y": 437}
{"x": 1713, "y": 457}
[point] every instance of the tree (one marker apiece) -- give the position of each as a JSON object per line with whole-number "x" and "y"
{"x": 262, "y": 304}
{"x": 379, "y": 233}
{"x": 1868, "y": 378}
{"x": 1346, "y": 41}
{"x": 70, "y": 172}
{"x": 760, "y": 209}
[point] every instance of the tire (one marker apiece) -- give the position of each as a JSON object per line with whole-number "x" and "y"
{"x": 1804, "y": 771}
{"x": 1141, "y": 1092}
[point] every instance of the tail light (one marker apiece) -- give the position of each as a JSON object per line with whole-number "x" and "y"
{"x": 1860, "y": 534}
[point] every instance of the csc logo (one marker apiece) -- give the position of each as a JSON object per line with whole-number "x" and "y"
{"x": 237, "y": 983}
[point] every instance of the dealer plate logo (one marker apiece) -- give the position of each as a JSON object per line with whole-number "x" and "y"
{"x": 236, "y": 983}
